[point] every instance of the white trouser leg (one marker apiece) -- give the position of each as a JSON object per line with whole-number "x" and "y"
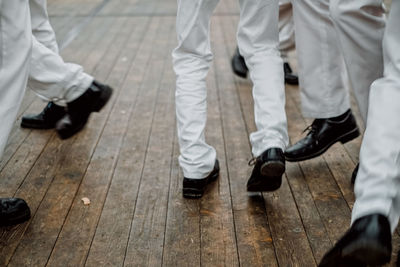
{"x": 286, "y": 29}
{"x": 360, "y": 26}
{"x": 15, "y": 49}
{"x": 191, "y": 61}
{"x": 322, "y": 89}
{"x": 53, "y": 79}
{"x": 258, "y": 41}
{"x": 41, "y": 27}
{"x": 50, "y": 77}
{"x": 377, "y": 185}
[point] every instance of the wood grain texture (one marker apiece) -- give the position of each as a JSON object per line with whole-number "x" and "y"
{"x": 126, "y": 161}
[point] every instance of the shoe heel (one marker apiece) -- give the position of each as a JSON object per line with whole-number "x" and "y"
{"x": 273, "y": 169}
{"x": 350, "y": 136}
{"x": 103, "y": 99}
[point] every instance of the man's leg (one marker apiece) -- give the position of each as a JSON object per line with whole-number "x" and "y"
{"x": 360, "y": 27}
{"x": 41, "y": 27}
{"x": 15, "y": 48}
{"x": 286, "y": 29}
{"x": 53, "y": 79}
{"x": 191, "y": 61}
{"x": 258, "y": 39}
{"x": 50, "y": 77}
{"x": 287, "y": 39}
{"x": 377, "y": 208}
{"x": 286, "y": 44}
{"x": 324, "y": 95}
{"x": 377, "y": 184}
{"x": 14, "y": 61}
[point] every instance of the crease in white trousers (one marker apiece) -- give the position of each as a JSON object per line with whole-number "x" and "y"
{"x": 328, "y": 33}
{"x": 50, "y": 77}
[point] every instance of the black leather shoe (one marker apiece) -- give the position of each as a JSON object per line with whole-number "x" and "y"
{"x": 79, "y": 110}
{"x": 267, "y": 172}
{"x": 239, "y": 65}
{"x": 367, "y": 243}
{"x": 13, "y": 211}
{"x": 194, "y": 188}
{"x": 290, "y": 77}
{"x": 46, "y": 119}
{"x": 322, "y": 135}
{"x": 354, "y": 174}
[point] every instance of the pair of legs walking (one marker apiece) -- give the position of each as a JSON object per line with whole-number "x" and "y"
{"x": 376, "y": 211}
{"x": 23, "y": 56}
{"x": 258, "y": 42}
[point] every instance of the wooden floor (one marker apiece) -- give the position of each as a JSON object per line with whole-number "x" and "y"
{"x": 125, "y": 161}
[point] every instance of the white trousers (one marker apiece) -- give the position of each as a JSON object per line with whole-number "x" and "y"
{"x": 286, "y": 29}
{"x": 50, "y": 77}
{"x": 258, "y": 43}
{"x": 377, "y": 185}
{"x": 326, "y": 32}
{"x": 15, "y": 50}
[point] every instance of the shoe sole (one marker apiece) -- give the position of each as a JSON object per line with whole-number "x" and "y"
{"x": 102, "y": 101}
{"x": 292, "y": 82}
{"x": 20, "y": 219}
{"x": 35, "y": 126}
{"x": 194, "y": 193}
{"x": 369, "y": 255}
{"x": 343, "y": 139}
{"x": 271, "y": 179}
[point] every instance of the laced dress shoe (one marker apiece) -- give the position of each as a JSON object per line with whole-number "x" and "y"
{"x": 267, "y": 172}
{"x": 46, "y": 119}
{"x": 79, "y": 110}
{"x": 367, "y": 243}
{"x": 13, "y": 211}
{"x": 290, "y": 77}
{"x": 239, "y": 65}
{"x": 323, "y": 133}
{"x": 194, "y": 188}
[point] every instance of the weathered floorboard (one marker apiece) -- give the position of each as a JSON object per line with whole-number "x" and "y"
{"x": 126, "y": 160}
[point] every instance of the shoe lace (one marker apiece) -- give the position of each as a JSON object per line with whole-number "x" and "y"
{"x": 313, "y": 128}
{"x": 252, "y": 161}
{"x": 47, "y": 108}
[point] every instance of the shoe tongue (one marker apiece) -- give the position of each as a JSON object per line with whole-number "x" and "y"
{"x": 318, "y": 122}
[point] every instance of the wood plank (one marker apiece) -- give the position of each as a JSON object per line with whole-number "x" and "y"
{"x": 95, "y": 185}
{"x": 146, "y": 237}
{"x": 218, "y": 237}
{"x": 182, "y": 233}
{"x": 127, "y": 177}
{"x": 253, "y": 235}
